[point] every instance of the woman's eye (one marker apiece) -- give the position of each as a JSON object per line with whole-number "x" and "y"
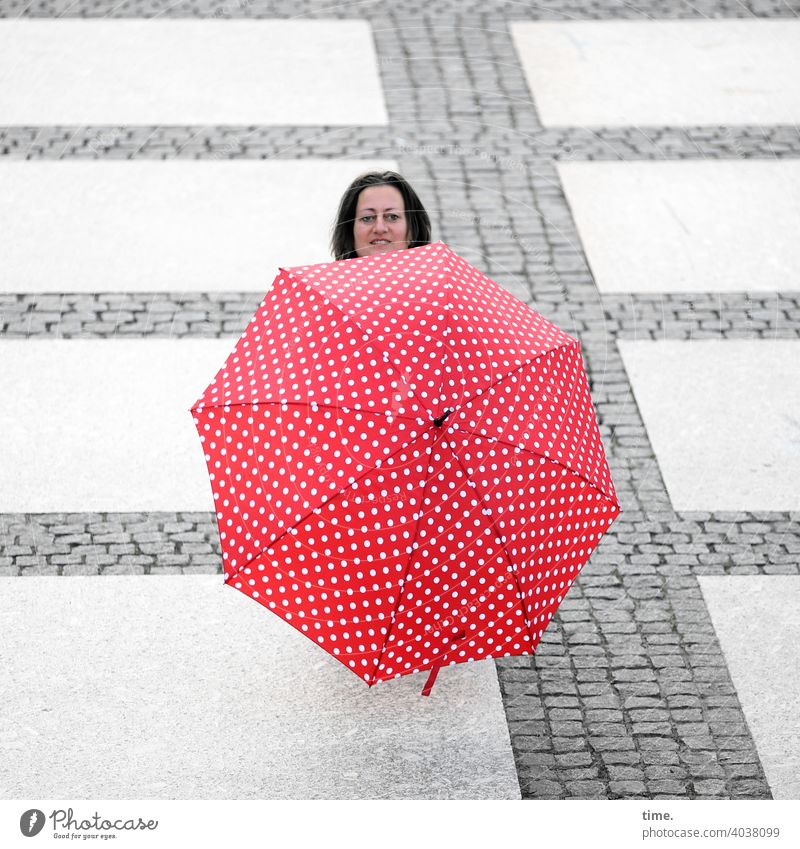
{"x": 392, "y": 216}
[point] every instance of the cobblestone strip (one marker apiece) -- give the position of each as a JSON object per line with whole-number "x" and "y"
{"x": 127, "y": 315}
{"x": 648, "y": 544}
{"x": 193, "y": 142}
{"x": 597, "y": 321}
{"x": 408, "y": 9}
{"x": 510, "y": 145}
{"x": 628, "y": 695}
{"x": 108, "y": 544}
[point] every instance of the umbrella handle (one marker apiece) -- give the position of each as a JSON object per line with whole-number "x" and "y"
{"x": 426, "y": 690}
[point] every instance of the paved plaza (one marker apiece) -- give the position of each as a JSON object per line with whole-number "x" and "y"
{"x": 631, "y": 171}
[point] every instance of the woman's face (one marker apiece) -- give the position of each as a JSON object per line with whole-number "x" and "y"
{"x": 380, "y": 224}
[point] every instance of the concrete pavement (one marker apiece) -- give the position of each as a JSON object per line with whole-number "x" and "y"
{"x": 180, "y": 687}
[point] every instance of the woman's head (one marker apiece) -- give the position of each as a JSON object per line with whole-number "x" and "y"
{"x": 379, "y": 212}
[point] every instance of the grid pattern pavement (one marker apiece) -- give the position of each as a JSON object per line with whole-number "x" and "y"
{"x": 628, "y": 694}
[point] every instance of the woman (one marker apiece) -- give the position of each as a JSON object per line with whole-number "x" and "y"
{"x": 379, "y": 212}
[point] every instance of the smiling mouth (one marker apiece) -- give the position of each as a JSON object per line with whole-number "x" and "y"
{"x": 381, "y": 242}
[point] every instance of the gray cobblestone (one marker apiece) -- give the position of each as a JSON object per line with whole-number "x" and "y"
{"x": 587, "y": 789}
{"x": 541, "y": 788}
{"x": 668, "y": 786}
{"x": 710, "y": 788}
{"x": 627, "y": 789}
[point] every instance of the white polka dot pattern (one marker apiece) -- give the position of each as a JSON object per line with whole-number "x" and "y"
{"x": 405, "y": 462}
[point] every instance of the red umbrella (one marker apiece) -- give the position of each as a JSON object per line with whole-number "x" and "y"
{"x": 405, "y": 462}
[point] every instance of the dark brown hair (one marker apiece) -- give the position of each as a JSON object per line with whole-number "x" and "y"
{"x": 419, "y": 225}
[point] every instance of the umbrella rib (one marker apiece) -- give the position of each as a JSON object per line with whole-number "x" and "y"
{"x": 576, "y": 346}
{"x": 474, "y": 607}
{"x": 499, "y": 537}
{"x": 405, "y": 574}
{"x": 302, "y": 519}
{"x": 337, "y": 407}
{"x": 559, "y": 463}
{"x": 444, "y": 341}
{"x": 519, "y": 368}
{"x": 363, "y": 329}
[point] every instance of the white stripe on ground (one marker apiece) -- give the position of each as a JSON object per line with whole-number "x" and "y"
{"x": 184, "y": 71}
{"x": 683, "y": 226}
{"x": 129, "y": 687}
{"x": 655, "y": 73}
{"x": 104, "y": 424}
{"x": 757, "y": 621}
{"x": 169, "y": 226}
{"x": 722, "y": 417}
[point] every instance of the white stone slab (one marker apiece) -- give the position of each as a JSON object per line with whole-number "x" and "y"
{"x": 676, "y": 72}
{"x": 178, "y": 687}
{"x": 104, "y": 424}
{"x": 167, "y": 225}
{"x": 757, "y": 621}
{"x": 188, "y": 71}
{"x": 723, "y": 417}
{"x": 688, "y": 226}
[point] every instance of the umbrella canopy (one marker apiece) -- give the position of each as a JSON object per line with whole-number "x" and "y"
{"x": 405, "y": 462}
